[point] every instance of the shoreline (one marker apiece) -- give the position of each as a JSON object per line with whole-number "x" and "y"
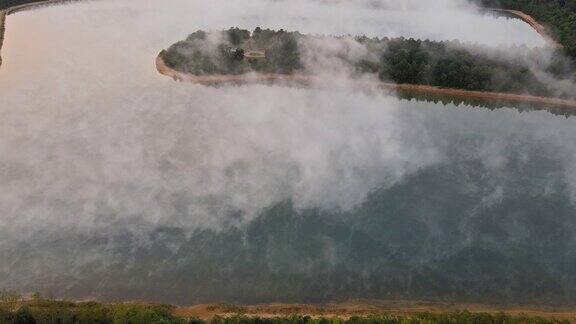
{"x": 538, "y": 27}
{"x": 305, "y": 80}
{"x": 366, "y": 311}
{"x": 8, "y": 11}
{"x": 32, "y": 5}
{"x": 2, "y": 30}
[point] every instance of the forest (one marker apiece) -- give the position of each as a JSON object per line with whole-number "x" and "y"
{"x": 448, "y": 64}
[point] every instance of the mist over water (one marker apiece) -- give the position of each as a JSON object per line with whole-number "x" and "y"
{"x": 117, "y": 182}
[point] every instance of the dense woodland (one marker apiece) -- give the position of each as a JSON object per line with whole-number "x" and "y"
{"x": 43, "y": 311}
{"x": 447, "y": 64}
{"x": 558, "y": 15}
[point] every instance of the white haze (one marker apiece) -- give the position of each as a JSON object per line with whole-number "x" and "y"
{"x": 92, "y": 138}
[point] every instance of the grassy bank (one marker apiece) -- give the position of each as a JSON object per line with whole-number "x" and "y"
{"x": 39, "y": 310}
{"x": 50, "y": 311}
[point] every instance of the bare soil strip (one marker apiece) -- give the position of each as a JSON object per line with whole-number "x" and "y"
{"x": 539, "y": 28}
{"x": 363, "y": 308}
{"x": 307, "y": 80}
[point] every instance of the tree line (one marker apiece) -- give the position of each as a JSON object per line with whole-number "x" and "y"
{"x": 5, "y": 4}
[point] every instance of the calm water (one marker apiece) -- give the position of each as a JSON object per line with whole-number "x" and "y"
{"x": 117, "y": 182}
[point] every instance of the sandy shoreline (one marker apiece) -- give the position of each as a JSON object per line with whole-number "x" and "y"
{"x": 306, "y": 80}
{"x": 538, "y": 27}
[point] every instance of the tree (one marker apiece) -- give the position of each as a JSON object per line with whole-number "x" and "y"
{"x": 236, "y": 35}
{"x": 24, "y": 316}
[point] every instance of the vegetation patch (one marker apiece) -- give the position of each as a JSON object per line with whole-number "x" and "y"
{"x": 46, "y": 311}
{"x": 62, "y": 312}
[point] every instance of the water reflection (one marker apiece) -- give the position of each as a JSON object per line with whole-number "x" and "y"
{"x": 487, "y": 103}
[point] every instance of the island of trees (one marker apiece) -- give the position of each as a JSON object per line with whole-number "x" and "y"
{"x": 447, "y": 64}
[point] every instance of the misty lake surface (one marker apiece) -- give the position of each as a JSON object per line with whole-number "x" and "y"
{"x": 117, "y": 182}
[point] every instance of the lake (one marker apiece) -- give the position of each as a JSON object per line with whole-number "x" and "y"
{"x": 120, "y": 183}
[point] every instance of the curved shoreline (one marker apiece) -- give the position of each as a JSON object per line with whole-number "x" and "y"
{"x": 538, "y": 27}
{"x": 306, "y": 80}
{"x": 8, "y": 11}
{"x": 33, "y": 5}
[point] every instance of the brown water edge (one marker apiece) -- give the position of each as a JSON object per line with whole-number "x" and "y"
{"x": 407, "y": 91}
{"x": 348, "y": 309}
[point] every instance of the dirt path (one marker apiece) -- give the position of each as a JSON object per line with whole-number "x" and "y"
{"x": 307, "y": 80}
{"x": 538, "y": 27}
{"x": 362, "y": 308}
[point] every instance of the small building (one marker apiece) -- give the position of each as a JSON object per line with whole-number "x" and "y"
{"x": 235, "y": 52}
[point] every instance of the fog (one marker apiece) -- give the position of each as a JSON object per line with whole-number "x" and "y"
{"x": 95, "y": 143}
{"x": 98, "y": 128}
